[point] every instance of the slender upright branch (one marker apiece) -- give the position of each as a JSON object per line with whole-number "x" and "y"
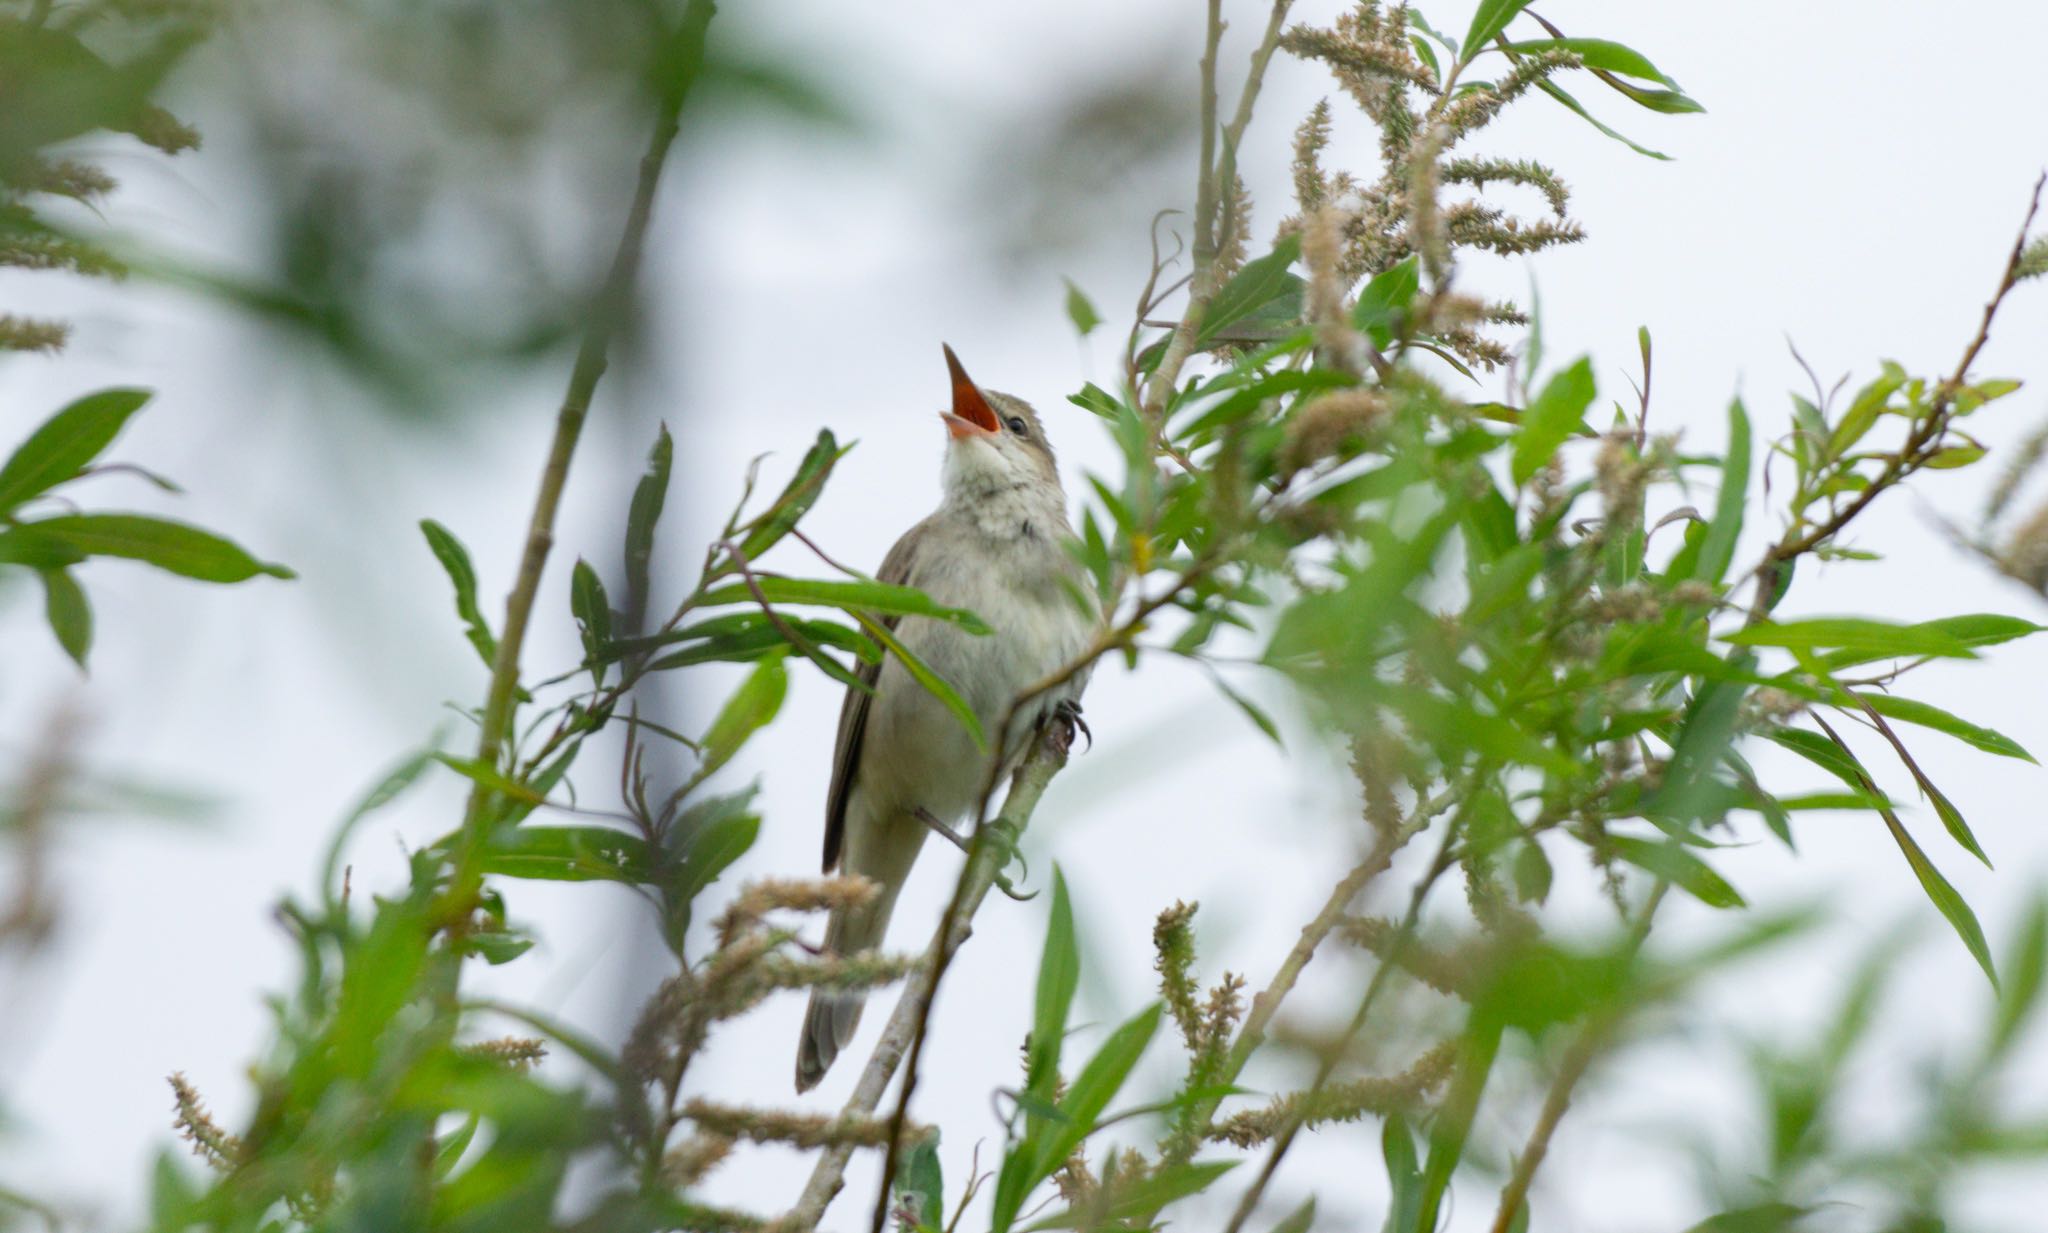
{"x": 607, "y": 313}
{"x": 907, "y": 1022}
{"x": 1578, "y": 1056}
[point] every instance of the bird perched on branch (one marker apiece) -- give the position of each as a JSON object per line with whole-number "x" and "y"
{"x": 904, "y": 763}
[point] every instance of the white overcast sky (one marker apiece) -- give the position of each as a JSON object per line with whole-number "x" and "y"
{"x": 1853, "y": 186}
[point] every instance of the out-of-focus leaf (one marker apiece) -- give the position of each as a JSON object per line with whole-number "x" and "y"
{"x": 1059, "y": 974}
{"x": 1261, "y": 281}
{"x": 1385, "y": 300}
{"x": 1080, "y": 311}
{"x": 170, "y": 546}
{"x": 750, "y": 707}
{"x": 1551, "y": 418}
{"x": 1762, "y": 1218}
{"x": 454, "y": 559}
{"x": 1301, "y": 1219}
{"x": 714, "y": 846}
{"x": 920, "y": 1179}
{"x": 1454, "y": 1120}
{"x": 1135, "y": 1201}
{"x": 69, "y": 613}
{"x": 1975, "y": 630}
{"x": 65, "y": 443}
{"x": 2025, "y": 967}
{"x": 1673, "y": 862}
{"x": 853, "y": 596}
{"x": 1717, "y": 549}
{"x": 1876, "y": 639}
{"x": 1404, "y": 1175}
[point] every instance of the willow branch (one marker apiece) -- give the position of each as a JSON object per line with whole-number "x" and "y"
{"x": 608, "y": 312}
{"x": 1577, "y": 1058}
{"x": 907, "y": 1021}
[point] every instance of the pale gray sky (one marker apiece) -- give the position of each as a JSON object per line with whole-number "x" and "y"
{"x": 1853, "y": 186}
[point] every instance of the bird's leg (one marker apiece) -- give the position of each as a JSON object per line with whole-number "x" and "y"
{"x": 939, "y": 828}
{"x": 1061, "y": 723}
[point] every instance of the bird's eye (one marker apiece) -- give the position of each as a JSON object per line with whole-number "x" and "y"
{"x": 1016, "y": 423}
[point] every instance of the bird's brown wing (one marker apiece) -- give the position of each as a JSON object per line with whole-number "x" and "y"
{"x": 853, "y": 713}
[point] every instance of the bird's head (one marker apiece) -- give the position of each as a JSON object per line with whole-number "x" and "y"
{"x": 995, "y": 441}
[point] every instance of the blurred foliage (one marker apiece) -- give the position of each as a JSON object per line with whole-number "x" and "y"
{"x": 1540, "y": 656}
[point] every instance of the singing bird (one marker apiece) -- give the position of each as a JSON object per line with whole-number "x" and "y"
{"x": 905, "y": 764}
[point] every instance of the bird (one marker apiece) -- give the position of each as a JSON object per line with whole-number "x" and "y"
{"x": 903, "y": 764}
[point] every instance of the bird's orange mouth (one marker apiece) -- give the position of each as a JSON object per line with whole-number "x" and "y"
{"x": 971, "y": 415}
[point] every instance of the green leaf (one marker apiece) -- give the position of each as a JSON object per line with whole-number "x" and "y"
{"x": 1059, "y": 974}
{"x": 1093, "y": 1089}
{"x": 171, "y": 546}
{"x": 1454, "y": 1120}
{"x": 69, "y": 614}
{"x": 921, "y": 1179}
{"x": 1559, "y": 93}
{"x": 568, "y": 854}
{"x": 1132, "y": 1202}
{"x": 1939, "y": 892}
{"x": 1080, "y": 311}
{"x": 751, "y": 706}
{"x": 1953, "y": 457}
{"x": 1857, "y": 635}
{"x": 853, "y": 596}
{"x": 1674, "y": 863}
{"x": 717, "y": 843}
{"x": 934, "y": 684}
{"x": 1599, "y": 54}
{"x": 1404, "y": 1175}
{"x": 1552, "y": 417}
{"x": 796, "y": 500}
{"x": 1492, "y": 17}
{"x": 1891, "y": 706}
{"x": 1384, "y": 302}
{"x": 593, "y": 613}
{"x": 1717, "y": 548}
{"x": 66, "y": 444}
{"x": 1978, "y": 630}
{"x": 454, "y": 559}
{"x": 649, "y": 495}
{"x": 1302, "y": 1218}
{"x": 1260, "y": 282}
{"x": 2025, "y": 965}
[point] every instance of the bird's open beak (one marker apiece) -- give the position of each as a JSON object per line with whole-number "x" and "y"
{"x": 971, "y": 415}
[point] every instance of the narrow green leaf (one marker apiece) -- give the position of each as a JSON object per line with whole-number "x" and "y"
{"x": 66, "y": 443}
{"x": 1558, "y": 92}
{"x": 2026, "y": 964}
{"x": 1598, "y": 54}
{"x": 1404, "y": 1175}
{"x": 649, "y": 495}
{"x": 1302, "y": 1218}
{"x": 1080, "y": 311}
{"x": 854, "y": 595}
{"x": 592, "y": 610}
{"x": 921, "y": 1181}
{"x": 454, "y": 559}
{"x": 1132, "y": 1203}
{"x": 796, "y": 500}
{"x": 717, "y": 843}
{"x": 1454, "y": 1120}
{"x": 751, "y": 706}
{"x": 1891, "y": 706}
{"x": 1877, "y": 639}
{"x": 1260, "y": 282}
{"x": 1674, "y": 863}
{"x": 934, "y": 684}
{"x": 170, "y": 546}
{"x": 1491, "y": 18}
{"x": 1059, "y": 974}
{"x": 1717, "y": 549}
{"x": 568, "y": 854}
{"x": 1093, "y": 1089}
{"x": 1939, "y": 892}
{"x": 1552, "y": 417}
{"x": 69, "y": 613}
{"x": 1977, "y": 630}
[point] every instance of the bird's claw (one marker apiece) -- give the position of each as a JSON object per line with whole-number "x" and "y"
{"x": 1061, "y": 724}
